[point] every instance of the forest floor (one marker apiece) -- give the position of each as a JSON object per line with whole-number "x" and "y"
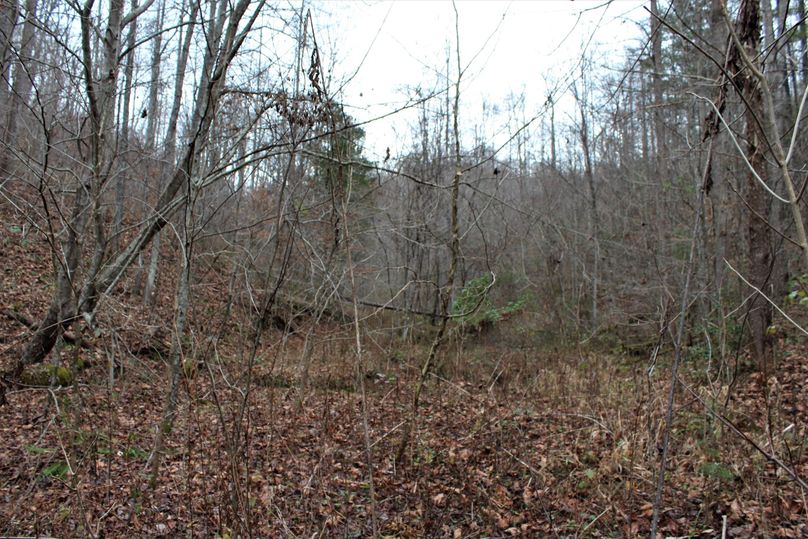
{"x": 508, "y": 441}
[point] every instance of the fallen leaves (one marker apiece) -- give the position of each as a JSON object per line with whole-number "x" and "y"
{"x": 484, "y": 464}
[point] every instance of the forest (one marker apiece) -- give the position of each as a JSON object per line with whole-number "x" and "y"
{"x": 224, "y": 314}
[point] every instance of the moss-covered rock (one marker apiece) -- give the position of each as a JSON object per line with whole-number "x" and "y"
{"x": 41, "y": 375}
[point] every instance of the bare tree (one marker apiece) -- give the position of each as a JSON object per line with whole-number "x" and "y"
{"x": 167, "y": 160}
{"x": 22, "y": 77}
{"x": 80, "y": 299}
{"x": 447, "y": 289}
{"x": 9, "y": 12}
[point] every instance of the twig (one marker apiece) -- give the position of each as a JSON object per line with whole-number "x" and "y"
{"x": 590, "y": 418}
{"x": 769, "y": 456}
{"x": 595, "y": 519}
{"x": 523, "y": 463}
{"x": 756, "y": 289}
{"x": 388, "y": 433}
{"x": 677, "y": 356}
{"x": 58, "y": 436}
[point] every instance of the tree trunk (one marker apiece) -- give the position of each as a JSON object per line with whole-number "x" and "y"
{"x": 105, "y": 272}
{"x": 551, "y": 99}
{"x": 656, "y": 83}
{"x": 803, "y": 42}
{"x": 9, "y": 12}
{"x": 445, "y": 292}
{"x": 123, "y": 177}
{"x": 151, "y": 137}
{"x": 759, "y": 248}
{"x": 21, "y": 84}
{"x": 589, "y": 175}
{"x": 176, "y": 365}
{"x": 170, "y": 144}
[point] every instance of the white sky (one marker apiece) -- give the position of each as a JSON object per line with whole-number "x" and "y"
{"x": 513, "y": 47}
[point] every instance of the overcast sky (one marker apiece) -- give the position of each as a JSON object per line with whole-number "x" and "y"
{"x": 506, "y": 47}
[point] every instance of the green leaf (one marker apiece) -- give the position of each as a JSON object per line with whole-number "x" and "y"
{"x": 134, "y": 452}
{"x": 56, "y": 469}
{"x": 793, "y": 295}
{"x": 716, "y": 470}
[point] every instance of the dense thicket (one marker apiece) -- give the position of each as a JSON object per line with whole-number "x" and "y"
{"x": 121, "y": 119}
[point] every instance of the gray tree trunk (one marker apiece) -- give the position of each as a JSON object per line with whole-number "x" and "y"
{"x": 151, "y": 135}
{"x": 9, "y": 13}
{"x": 170, "y": 144}
{"x": 759, "y": 248}
{"x": 104, "y": 273}
{"x": 21, "y": 83}
{"x": 176, "y": 355}
{"x": 123, "y": 175}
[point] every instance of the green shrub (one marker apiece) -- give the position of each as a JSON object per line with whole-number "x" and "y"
{"x": 798, "y": 294}
{"x": 474, "y": 309}
{"x": 716, "y": 470}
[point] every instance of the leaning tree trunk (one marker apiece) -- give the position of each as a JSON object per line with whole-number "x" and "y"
{"x": 105, "y": 272}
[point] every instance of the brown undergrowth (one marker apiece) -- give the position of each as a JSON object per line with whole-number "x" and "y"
{"x": 509, "y": 441}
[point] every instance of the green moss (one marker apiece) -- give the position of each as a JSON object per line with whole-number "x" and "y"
{"x": 64, "y": 376}
{"x": 42, "y": 374}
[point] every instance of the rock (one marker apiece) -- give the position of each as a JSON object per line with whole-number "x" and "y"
{"x": 42, "y": 374}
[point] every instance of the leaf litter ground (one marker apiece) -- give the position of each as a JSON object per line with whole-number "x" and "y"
{"x": 556, "y": 445}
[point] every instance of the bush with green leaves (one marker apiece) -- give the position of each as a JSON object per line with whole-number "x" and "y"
{"x": 798, "y": 294}
{"x": 473, "y": 308}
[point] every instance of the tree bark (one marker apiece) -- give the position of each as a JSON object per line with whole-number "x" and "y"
{"x": 9, "y": 12}
{"x": 151, "y": 137}
{"x": 759, "y": 248}
{"x": 176, "y": 355}
{"x": 170, "y": 145}
{"x": 123, "y": 177}
{"x": 105, "y": 272}
{"x": 21, "y": 81}
{"x": 803, "y": 42}
{"x": 446, "y": 292}
{"x": 656, "y": 83}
